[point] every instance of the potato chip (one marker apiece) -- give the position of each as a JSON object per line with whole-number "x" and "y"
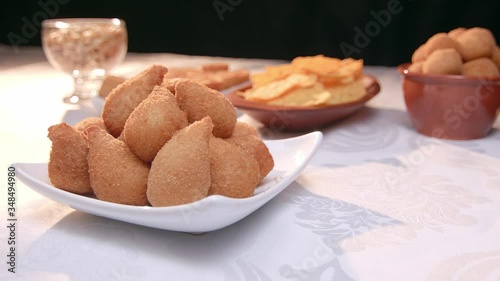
{"x": 347, "y": 92}
{"x": 348, "y": 71}
{"x": 330, "y": 71}
{"x": 316, "y": 95}
{"x": 279, "y": 88}
{"x": 336, "y": 81}
{"x": 320, "y": 65}
{"x": 272, "y": 73}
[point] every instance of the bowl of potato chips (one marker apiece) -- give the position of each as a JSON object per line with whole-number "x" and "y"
{"x": 309, "y": 93}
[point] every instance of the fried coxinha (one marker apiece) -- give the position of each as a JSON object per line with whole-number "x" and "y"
{"x": 159, "y": 147}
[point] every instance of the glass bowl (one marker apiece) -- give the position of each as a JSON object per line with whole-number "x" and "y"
{"x": 85, "y": 48}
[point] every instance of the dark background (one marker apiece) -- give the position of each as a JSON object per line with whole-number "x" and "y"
{"x": 263, "y": 29}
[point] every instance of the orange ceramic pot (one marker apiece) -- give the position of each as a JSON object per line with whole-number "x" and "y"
{"x": 453, "y": 107}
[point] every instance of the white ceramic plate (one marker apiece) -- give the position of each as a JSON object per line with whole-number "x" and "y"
{"x": 211, "y": 213}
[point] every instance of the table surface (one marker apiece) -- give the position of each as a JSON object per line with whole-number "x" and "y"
{"x": 377, "y": 201}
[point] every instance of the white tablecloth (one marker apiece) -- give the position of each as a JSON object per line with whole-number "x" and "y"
{"x": 378, "y": 201}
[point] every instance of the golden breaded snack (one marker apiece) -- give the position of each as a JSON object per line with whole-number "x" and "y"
{"x": 480, "y": 67}
{"x": 453, "y": 34}
{"x": 213, "y": 75}
{"x": 496, "y": 57}
{"x": 116, "y": 174}
{"x": 476, "y": 48}
{"x": 226, "y": 79}
{"x": 443, "y": 61}
{"x": 152, "y": 123}
{"x": 170, "y": 83}
{"x": 109, "y": 83}
{"x": 180, "y": 172}
{"x": 215, "y": 66}
{"x": 68, "y": 169}
{"x": 280, "y": 88}
{"x": 89, "y": 121}
{"x": 244, "y": 129}
{"x": 416, "y": 67}
{"x": 121, "y": 137}
{"x": 158, "y": 158}
{"x": 128, "y": 95}
{"x": 199, "y": 101}
{"x": 258, "y": 149}
{"x": 233, "y": 171}
{"x": 420, "y": 54}
{"x": 437, "y": 42}
{"x": 475, "y": 43}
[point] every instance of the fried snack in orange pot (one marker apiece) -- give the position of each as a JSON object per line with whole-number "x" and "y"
{"x": 180, "y": 172}
{"x": 233, "y": 171}
{"x": 152, "y": 123}
{"x": 475, "y": 43}
{"x": 480, "y": 67}
{"x": 199, "y": 101}
{"x": 454, "y": 33}
{"x": 461, "y": 51}
{"x": 419, "y": 55}
{"x": 496, "y": 57}
{"x": 68, "y": 169}
{"x": 443, "y": 61}
{"x": 116, "y": 174}
{"x": 439, "y": 41}
{"x": 416, "y": 67}
{"x": 128, "y": 95}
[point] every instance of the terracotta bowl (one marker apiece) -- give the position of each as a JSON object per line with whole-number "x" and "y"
{"x": 451, "y": 106}
{"x": 296, "y": 118}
